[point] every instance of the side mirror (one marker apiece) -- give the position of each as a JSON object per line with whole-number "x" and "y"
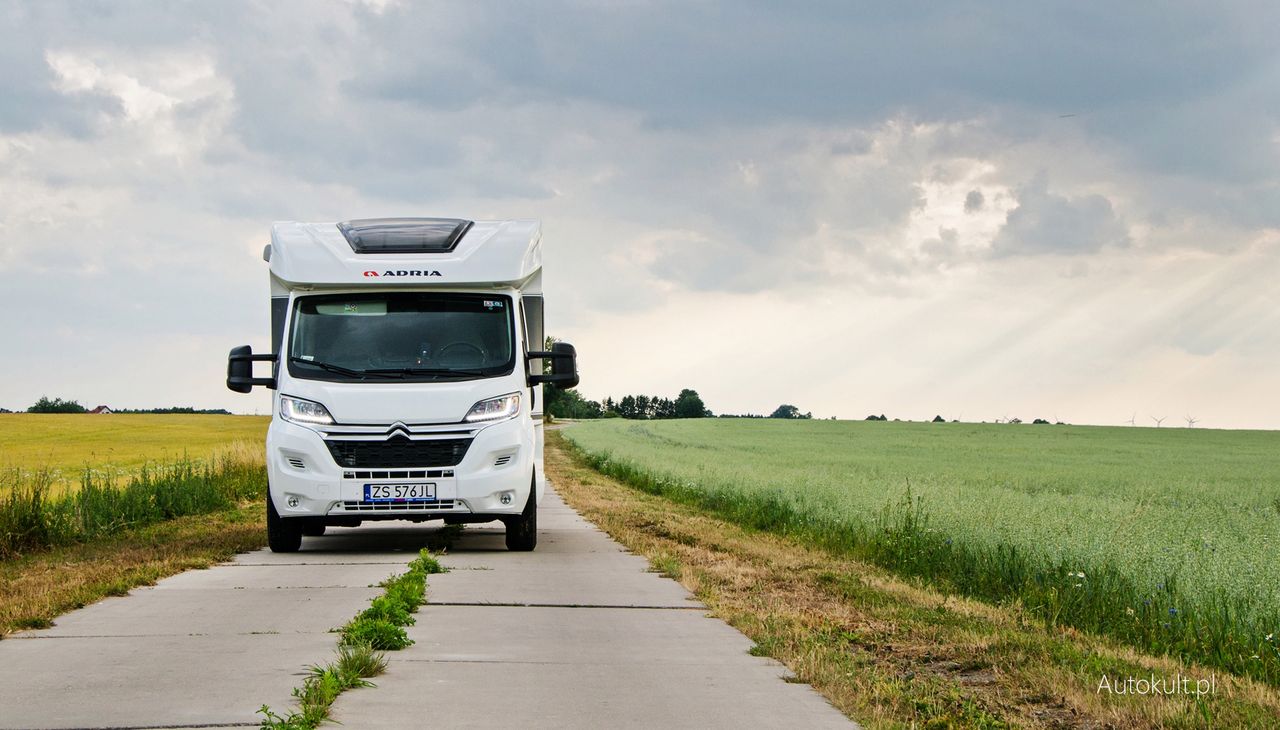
{"x": 564, "y": 366}
{"x": 240, "y": 369}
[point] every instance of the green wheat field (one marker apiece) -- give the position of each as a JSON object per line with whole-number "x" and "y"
{"x": 1168, "y": 539}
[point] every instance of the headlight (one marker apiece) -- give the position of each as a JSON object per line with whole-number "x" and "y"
{"x": 305, "y": 412}
{"x": 494, "y": 409}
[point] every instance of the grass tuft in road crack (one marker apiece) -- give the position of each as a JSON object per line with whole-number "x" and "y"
{"x": 378, "y": 628}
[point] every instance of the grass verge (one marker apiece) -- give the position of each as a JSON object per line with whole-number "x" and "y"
{"x": 35, "y": 515}
{"x": 889, "y": 651}
{"x": 378, "y": 628}
{"x": 37, "y": 587}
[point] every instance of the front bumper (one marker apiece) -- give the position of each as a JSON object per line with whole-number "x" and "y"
{"x": 492, "y": 478}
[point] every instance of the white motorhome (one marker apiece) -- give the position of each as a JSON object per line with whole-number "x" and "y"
{"x": 407, "y": 366}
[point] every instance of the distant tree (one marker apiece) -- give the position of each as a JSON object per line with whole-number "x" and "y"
{"x": 1014, "y": 420}
{"x": 664, "y": 408}
{"x": 689, "y": 405}
{"x": 787, "y": 410}
{"x": 627, "y": 407}
{"x": 56, "y": 405}
{"x": 655, "y": 407}
{"x": 1040, "y": 422}
{"x": 939, "y": 419}
{"x": 5, "y": 410}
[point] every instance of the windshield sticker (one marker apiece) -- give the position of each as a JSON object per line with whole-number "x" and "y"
{"x": 353, "y": 309}
{"x": 491, "y": 304}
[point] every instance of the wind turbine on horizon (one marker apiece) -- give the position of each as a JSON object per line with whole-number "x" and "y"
{"x": 1131, "y": 418}
{"x": 1191, "y": 422}
{"x": 1159, "y": 420}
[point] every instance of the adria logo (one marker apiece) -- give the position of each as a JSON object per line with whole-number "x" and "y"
{"x": 404, "y": 272}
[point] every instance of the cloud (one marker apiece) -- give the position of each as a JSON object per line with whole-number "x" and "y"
{"x": 729, "y": 157}
{"x": 1045, "y": 223}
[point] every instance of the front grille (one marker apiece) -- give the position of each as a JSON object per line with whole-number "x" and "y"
{"x": 413, "y": 505}
{"x": 398, "y": 452}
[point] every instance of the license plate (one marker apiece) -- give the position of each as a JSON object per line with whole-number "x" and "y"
{"x": 399, "y": 492}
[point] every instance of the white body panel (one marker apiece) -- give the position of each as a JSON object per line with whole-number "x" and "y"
{"x": 503, "y": 458}
{"x": 491, "y": 254}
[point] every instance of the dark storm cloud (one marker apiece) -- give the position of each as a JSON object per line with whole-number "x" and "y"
{"x": 1127, "y": 72}
{"x": 338, "y": 93}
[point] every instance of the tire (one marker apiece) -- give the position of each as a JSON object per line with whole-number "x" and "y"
{"x": 283, "y": 535}
{"x": 313, "y": 529}
{"x": 522, "y": 531}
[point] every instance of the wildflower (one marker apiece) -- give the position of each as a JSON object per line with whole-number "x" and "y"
{"x": 1270, "y": 637}
{"x": 1080, "y": 574}
{"x": 1173, "y": 612}
{"x": 1077, "y": 585}
{"x": 1130, "y": 610}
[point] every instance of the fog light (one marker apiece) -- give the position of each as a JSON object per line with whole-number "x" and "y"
{"x": 505, "y": 498}
{"x": 293, "y": 501}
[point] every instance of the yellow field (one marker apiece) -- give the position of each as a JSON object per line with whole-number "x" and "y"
{"x": 67, "y": 444}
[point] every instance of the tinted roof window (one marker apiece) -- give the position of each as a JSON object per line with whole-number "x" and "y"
{"x": 404, "y": 235}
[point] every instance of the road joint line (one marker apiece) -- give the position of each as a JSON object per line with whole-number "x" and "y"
{"x": 565, "y": 605}
{"x": 168, "y": 726}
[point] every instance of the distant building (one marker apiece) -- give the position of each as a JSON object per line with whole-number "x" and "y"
{"x": 101, "y": 409}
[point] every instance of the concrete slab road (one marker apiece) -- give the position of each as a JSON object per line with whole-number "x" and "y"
{"x": 576, "y": 634}
{"x": 202, "y": 649}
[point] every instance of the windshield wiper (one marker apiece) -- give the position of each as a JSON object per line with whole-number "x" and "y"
{"x": 338, "y": 368}
{"x": 425, "y": 371}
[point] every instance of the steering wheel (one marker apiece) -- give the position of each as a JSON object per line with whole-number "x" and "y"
{"x": 460, "y": 348}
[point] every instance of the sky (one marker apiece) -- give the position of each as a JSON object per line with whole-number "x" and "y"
{"x": 1067, "y": 211}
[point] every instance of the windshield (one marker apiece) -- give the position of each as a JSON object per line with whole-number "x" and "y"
{"x": 401, "y": 335}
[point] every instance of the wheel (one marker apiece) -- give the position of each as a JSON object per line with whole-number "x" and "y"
{"x": 283, "y": 536}
{"x": 313, "y": 529}
{"x": 522, "y": 531}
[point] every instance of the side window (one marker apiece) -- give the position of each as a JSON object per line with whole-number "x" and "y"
{"x": 535, "y": 336}
{"x": 279, "y": 310}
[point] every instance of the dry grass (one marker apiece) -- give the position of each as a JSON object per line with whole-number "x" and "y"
{"x": 37, "y": 588}
{"x": 886, "y": 652}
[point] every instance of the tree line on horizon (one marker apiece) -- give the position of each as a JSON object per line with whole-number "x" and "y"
{"x": 58, "y": 405}
{"x": 562, "y": 403}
